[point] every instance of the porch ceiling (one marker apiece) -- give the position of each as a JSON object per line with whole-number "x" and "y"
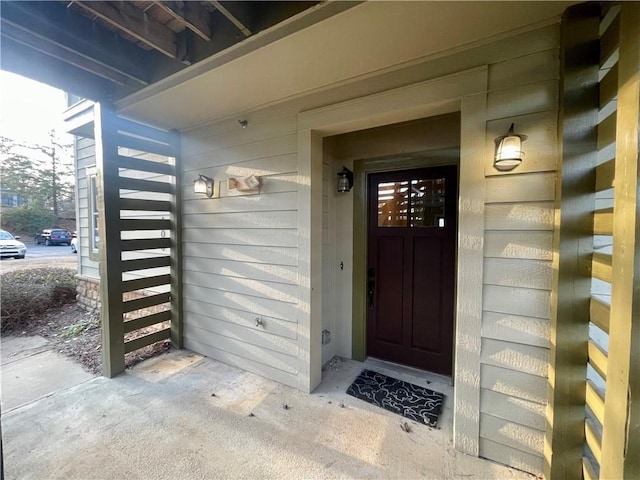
{"x": 369, "y": 39}
{"x": 108, "y": 50}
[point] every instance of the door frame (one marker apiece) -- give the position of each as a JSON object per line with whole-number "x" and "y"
{"x": 363, "y": 168}
{"x": 464, "y": 92}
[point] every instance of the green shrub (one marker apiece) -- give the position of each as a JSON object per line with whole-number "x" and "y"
{"x": 26, "y": 294}
{"x": 27, "y": 220}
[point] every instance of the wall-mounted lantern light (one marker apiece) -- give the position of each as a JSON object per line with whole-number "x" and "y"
{"x": 345, "y": 182}
{"x": 509, "y": 150}
{"x": 203, "y": 185}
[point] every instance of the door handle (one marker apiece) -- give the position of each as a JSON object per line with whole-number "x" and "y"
{"x": 371, "y": 291}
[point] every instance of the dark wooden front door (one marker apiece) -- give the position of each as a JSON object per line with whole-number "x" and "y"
{"x": 411, "y": 267}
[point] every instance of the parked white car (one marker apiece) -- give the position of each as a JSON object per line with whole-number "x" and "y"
{"x": 74, "y": 244}
{"x": 10, "y": 246}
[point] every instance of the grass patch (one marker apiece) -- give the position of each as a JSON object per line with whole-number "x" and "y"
{"x": 77, "y": 329}
{"x": 26, "y": 294}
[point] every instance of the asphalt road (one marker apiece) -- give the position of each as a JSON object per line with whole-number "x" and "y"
{"x": 41, "y": 256}
{"x": 53, "y": 251}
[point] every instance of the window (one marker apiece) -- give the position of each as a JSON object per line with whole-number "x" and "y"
{"x": 94, "y": 235}
{"x": 413, "y": 203}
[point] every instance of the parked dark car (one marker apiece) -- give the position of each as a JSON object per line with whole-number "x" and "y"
{"x": 54, "y": 236}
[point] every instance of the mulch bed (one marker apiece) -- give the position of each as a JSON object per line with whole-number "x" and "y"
{"x": 75, "y": 333}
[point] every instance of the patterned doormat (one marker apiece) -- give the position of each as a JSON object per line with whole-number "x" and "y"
{"x": 411, "y": 401}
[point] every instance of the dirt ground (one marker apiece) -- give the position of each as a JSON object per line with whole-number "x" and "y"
{"x": 75, "y": 332}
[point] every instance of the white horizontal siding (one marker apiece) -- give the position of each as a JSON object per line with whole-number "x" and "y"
{"x": 243, "y": 269}
{"x": 275, "y": 256}
{"x": 202, "y": 314}
{"x": 513, "y": 383}
{"x": 85, "y": 157}
{"x": 518, "y": 273}
{"x": 516, "y": 329}
{"x": 213, "y": 233}
{"x": 518, "y": 244}
{"x": 257, "y": 336}
{"x": 517, "y": 410}
{"x": 240, "y": 251}
{"x": 503, "y": 453}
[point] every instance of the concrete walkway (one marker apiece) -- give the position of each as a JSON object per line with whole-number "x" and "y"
{"x": 182, "y": 416}
{"x": 31, "y": 370}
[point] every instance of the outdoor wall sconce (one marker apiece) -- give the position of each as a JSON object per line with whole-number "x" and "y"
{"x": 203, "y": 185}
{"x": 345, "y": 182}
{"x": 509, "y": 151}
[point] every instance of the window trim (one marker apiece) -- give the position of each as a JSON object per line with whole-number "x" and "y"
{"x": 92, "y": 204}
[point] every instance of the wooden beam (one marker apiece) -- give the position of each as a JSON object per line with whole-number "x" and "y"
{"x": 177, "y": 319}
{"x": 30, "y": 63}
{"x": 140, "y": 342}
{"x": 61, "y": 52}
{"x": 599, "y": 314}
{"x": 598, "y": 359}
{"x": 110, "y": 257}
{"x": 76, "y": 32}
{"x": 621, "y": 433}
{"x": 131, "y": 20}
{"x": 232, "y": 18}
{"x": 146, "y": 321}
{"x": 593, "y": 441}
{"x": 146, "y": 302}
{"x": 191, "y": 14}
{"x": 573, "y": 244}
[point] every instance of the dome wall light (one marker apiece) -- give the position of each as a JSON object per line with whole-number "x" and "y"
{"x": 203, "y": 185}
{"x": 508, "y": 150}
{"x": 345, "y": 182}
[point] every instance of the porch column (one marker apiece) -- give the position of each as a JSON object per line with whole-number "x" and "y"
{"x": 109, "y": 252}
{"x": 621, "y": 429}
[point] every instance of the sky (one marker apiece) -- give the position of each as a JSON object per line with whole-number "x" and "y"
{"x": 29, "y": 109}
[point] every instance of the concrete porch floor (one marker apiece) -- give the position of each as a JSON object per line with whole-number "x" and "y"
{"x": 184, "y": 416}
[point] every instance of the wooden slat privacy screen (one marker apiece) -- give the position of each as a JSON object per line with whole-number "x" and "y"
{"x": 140, "y": 236}
{"x": 608, "y": 255}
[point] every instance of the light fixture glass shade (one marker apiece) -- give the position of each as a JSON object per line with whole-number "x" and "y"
{"x": 509, "y": 151}
{"x": 343, "y": 184}
{"x": 203, "y": 185}
{"x": 345, "y": 180}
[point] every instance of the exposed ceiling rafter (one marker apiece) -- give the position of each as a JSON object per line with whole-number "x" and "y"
{"x": 134, "y": 22}
{"x": 191, "y": 14}
{"x": 61, "y": 52}
{"x": 109, "y": 50}
{"x": 232, "y": 18}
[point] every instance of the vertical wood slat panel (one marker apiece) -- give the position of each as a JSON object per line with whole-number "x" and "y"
{"x": 603, "y": 221}
{"x": 621, "y": 439}
{"x": 609, "y": 43}
{"x": 113, "y": 132}
{"x": 176, "y": 212}
{"x": 609, "y": 86}
{"x": 598, "y": 359}
{"x": 591, "y": 437}
{"x": 601, "y": 266}
{"x": 564, "y": 438}
{"x": 587, "y": 470}
{"x": 105, "y": 122}
{"x": 605, "y": 175}
{"x": 607, "y": 131}
{"x": 595, "y": 402}
{"x": 599, "y": 313}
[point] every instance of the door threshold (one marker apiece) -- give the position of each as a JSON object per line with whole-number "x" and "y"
{"x": 399, "y": 369}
